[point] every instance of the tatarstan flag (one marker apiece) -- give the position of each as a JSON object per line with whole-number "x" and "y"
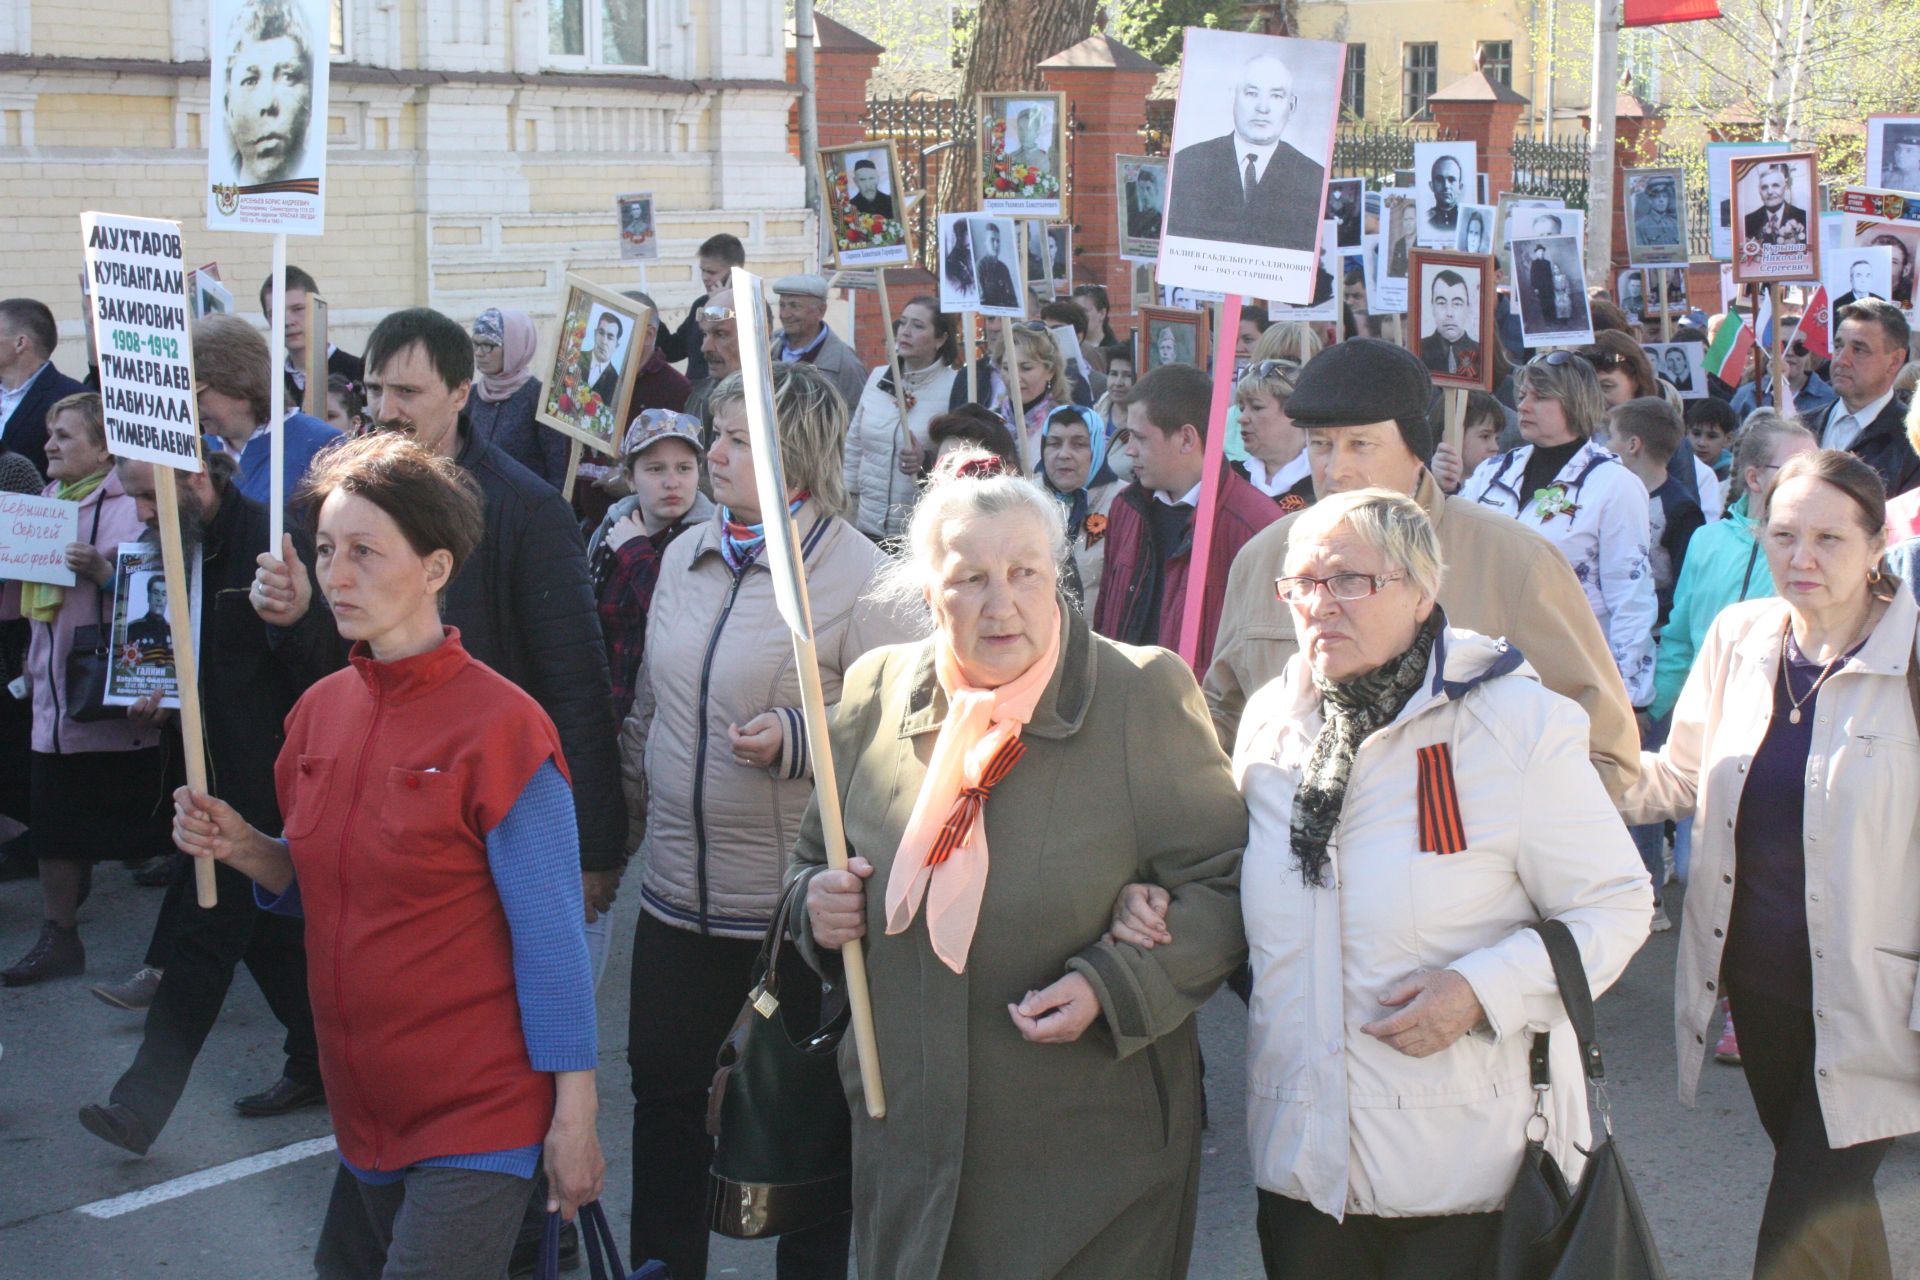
{"x": 1732, "y": 348}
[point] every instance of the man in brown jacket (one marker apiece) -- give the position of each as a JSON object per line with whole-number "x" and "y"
{"x": 1363, "y": 405}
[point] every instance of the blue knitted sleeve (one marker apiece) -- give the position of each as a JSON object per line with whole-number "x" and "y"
{"x": 534, "y": 855}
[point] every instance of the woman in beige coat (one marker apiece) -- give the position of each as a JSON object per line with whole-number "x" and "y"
{"x": 1794, "y": 746}
{"x": 1043, "y": 1084}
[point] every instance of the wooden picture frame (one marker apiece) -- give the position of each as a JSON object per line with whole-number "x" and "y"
{"x": 1428, "y": 270}
{"x": 313, "y": 400}
{"x": 865, "y": 237}
{"x": 1016, "y": 176}
{"x": 569, "y": 403}
{"x": 1651, "y": 243}
{"x": 1177, "y": 322}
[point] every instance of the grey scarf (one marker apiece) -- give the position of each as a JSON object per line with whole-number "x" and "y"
{"x": 1354, "y": 708}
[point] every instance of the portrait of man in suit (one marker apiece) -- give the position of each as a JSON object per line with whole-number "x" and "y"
{"x": 1344, "y": 198}
{"x": 1250, "y": 186}
{"x": 1776, "y": 221}
{"x": 990, "y": 268}
{"x": 1449, "y": 345}
{"x": 598, "y": 367}
{"x": 1859, "y": 284}
{"x": 867, "y": 195}
{"x": 1673, "y": 364}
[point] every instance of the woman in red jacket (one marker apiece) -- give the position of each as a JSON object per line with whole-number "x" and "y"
{"x": 431, "y": 847}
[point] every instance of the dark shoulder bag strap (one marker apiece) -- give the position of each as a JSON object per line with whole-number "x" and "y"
{"x": 1570, "y": 973}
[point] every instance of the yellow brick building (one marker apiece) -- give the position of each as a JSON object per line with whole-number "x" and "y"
{"x": 476, "y": 147}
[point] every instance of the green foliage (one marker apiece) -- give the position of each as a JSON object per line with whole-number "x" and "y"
{"x": 1152, "y": 28}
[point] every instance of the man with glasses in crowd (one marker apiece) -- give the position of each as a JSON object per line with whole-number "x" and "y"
{"x": 1809, "y": 392}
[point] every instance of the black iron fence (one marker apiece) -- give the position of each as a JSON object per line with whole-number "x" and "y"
{"x": 1360, "y": 149}
{"x": 1552, "y": 167}
{"x": 1693, "y": 168}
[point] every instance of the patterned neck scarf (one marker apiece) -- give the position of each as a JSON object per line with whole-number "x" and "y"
{"x": 1354, "y": 708}
{"x": 741, "y": 543}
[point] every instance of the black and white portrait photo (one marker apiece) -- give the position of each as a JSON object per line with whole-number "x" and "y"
{"x": 1550, "y": 286}
{"x": 637, "y": 238}
{"x": 1475, "y": 232}
{"x": 1324, "y": 304}
{"x": 861, "y": 184}
{"x": 1252, "y": 137}
{"x": 1655, "y": 204}
{"x": 1142, "y": 184}
{"x": 1060, "y": 256}
{"x": 1777, "y": 237}
{"x": 1346, "y": 201}
{"x": 267, "y": 152}
{"x": 1443, "y": 176}
{"x": 1451, "y": 317}
{"x": 1039, "y": 251}
{"x": 1503, "y": 222}
{"x": 871, "y": 177}
{"x": 980, "y": 265}
{"x": 1858, "y": 271}
{"x": 1172, "y": 335}
{"x": 1683, "y": 364}
{"x": 1630, "y": 291}
{"x": 1893, "y": 153}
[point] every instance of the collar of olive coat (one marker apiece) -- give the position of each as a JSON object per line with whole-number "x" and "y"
{"x": 1063, "y": 704}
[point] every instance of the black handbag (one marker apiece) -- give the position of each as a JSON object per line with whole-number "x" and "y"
{"x": 90, "y": 659}
{"x": 784, "y": 1156}
{"x": 1596, "y": 1231}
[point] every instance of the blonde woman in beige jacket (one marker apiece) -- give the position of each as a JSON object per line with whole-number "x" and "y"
{"x": 1794, "y": 747}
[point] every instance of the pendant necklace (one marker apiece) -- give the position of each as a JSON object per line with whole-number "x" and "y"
{"x": 1786, "y": 668}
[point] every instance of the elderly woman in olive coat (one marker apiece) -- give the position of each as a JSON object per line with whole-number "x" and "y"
{"x": 1043, "y": 1084}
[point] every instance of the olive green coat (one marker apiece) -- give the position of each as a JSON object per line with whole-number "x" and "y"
{"x": 1000, "y": 1158}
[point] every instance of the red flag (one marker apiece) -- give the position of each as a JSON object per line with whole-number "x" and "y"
{"x": 1816, "y": 326}
{"x": 1653, "y": 13}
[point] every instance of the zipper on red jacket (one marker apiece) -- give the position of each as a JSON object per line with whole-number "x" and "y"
{"x": 339, "y": 928}
{"x": 700, "y": 744}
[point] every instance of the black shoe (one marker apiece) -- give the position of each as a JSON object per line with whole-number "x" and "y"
{"x": 285, "y": 1095}
{"x": 526, "y": 1252}
{"x": 157, "y": 872}
{"x": 116, "y": 1124}
{"x": 58, "y": 954}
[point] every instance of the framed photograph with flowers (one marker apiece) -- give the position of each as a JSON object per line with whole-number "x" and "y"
{"x": 1172, "y": 335}
{"x": 601, "y": 345}
{"x": 862, "y": 185}
{"x": 1023, "y": 153}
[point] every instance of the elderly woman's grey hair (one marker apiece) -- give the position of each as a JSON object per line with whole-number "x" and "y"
{"x": 1573, "y": 383}
{"x": 813, "y": 430}
{"x": 1391, "y": 523}
{"x": 969, "y": 484}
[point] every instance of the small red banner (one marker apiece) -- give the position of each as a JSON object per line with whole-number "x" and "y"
{"x": 1653, "y": 13}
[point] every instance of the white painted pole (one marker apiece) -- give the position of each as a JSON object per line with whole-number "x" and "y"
{"x": 277, "y": 459}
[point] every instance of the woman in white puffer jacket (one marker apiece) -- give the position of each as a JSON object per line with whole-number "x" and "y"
{"x": 883, "y": 463}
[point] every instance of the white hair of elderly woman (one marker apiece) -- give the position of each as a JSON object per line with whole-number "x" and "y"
{"x": 1391, "y": 523}
{"x": 968, "y": 484}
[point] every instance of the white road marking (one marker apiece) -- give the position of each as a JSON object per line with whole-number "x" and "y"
{"x": 186, "y": 1185}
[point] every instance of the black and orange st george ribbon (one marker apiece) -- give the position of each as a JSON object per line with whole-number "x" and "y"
{"x": 1442, "y": 829}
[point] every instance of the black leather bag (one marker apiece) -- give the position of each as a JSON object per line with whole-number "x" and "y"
{"x": 784, "y": 1157}
{"x": 1597, "y": 1230}
{"x": 90, "y": 659}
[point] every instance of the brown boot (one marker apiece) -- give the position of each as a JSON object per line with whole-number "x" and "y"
{"x": 58, "y": 954}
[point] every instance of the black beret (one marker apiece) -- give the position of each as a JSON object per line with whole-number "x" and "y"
{"x": 1361, "y": 381}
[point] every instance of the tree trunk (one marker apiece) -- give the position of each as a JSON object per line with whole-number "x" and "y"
{"x": 1010, "y": 39}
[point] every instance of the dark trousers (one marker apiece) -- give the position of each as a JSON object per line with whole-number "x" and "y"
{"x": 1298, "y": 1242}
{"x": 202, "y": 946}
{"x": 1822, "y": 1218}
{"x": 687, "y": 991}
{"x": 434, "y": 1224}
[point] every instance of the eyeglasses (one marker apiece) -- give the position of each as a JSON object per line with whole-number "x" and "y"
{"x": 1288, "y": 369}
{"x": 482, "y": 344}
{"x": 1603, "y": 360}
{"x": 1799, "y": 350}
{"x": 1030, "y": 326}
{"x": 714, "y": 315}
{"x": 1301, "y": 589}
{"x": 1556, "y": 359}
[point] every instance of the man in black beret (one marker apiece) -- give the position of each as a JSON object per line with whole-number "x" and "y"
{"x": 1363, "y": 405}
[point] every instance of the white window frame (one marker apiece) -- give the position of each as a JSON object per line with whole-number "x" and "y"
{"x": 345, "y": 52}
{"x": 590, "y": 19}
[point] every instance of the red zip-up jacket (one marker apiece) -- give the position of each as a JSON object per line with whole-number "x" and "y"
{"x": 392, "y": 775}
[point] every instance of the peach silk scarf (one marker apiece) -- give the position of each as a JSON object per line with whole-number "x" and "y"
{"x": 943, "y": 855}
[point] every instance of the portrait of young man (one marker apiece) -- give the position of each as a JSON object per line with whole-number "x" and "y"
{"x": 599, "y": 366}
{"x": 268, "y": 71}
{"x": 1145, "y": 199}
{"x": 997, "y": 288}
{"x": 1031, "y": 136}
{"x": 1450, "y": 341}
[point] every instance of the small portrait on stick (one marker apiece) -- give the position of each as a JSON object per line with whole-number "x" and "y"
{"x": 1450, "y": 306}
{"x": 1776, "y": 236}
{"x": 602, "y": 343}
{"x": 1022, "y": 149}
{"x": 1656, "y": 212}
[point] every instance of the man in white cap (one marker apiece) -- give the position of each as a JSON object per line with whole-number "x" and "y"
{"x": 804, "y": 335}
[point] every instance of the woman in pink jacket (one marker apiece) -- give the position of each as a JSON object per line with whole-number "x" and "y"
{"x": 95, "y": 786}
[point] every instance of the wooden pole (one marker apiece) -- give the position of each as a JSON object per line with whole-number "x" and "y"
{"x": 1213, "y": 461}
{"x": 185, "y": 662}
{"x": 1666, "y": 312}
{"x": 1012, "y": 375}
{"x": 893, "y": 354}
{"x": 1779, "y": 379}
{"x": 969, "y": 322}
{"x": 277, "y": 402}
{"x": 1454, "y": 434}
{"x": 573, "y": 469}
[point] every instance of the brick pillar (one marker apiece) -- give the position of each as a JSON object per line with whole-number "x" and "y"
{"x": 1106, "y": 85}
{"x": 1481, "y": 110}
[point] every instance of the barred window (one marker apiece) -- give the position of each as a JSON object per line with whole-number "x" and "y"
{"x": 1419, "y": 78}
{"x": 1353, "y": 87}
{"x": 1496, "y": 59}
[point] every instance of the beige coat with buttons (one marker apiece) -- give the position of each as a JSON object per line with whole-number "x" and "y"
{"x": 1862, "y": 851}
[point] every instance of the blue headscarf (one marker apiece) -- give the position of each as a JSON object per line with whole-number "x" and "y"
{"x": 1096, "y": 437}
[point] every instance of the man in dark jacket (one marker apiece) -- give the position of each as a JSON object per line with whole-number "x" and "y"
{"x": 247, "y": 687}
{"x": 1869, "y": 419}
{"x": 29, "y": 384}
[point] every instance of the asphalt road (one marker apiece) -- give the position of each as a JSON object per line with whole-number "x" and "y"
{"x": 1701, "y": 1172}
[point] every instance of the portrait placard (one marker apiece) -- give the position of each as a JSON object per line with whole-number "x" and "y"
{"x": 1476, "y": 229}
{"x": 34, "y": 533}
{"x": 1325, "y": 303}
{"x": 1630, "y": 291}
{"x": 1143, "y": 288}
{"x": 1720, "y": 190}
{"x": 980, "y": 265}
{"x": 141, "y": 332}
{"x": 1252, "y": 142}
{"x": 1039, "y": 251}
{"x": 1655, "y": 201}
{"x": 602, "y": 342}
{"x": 639, "y": 241}
{"x": 1023, "y": 153}
{"x": 1172, "y": 335}
{"x": 1853, "y": 272}
{"x": 1060, "y": 257}
{"x": 1902, "y": 241}
{"x": 1893, "y": 153}
{"x": 1507, "y": 202}
{"x": 141, "y": 635}
{"x": 1683, "y": 364}
{"x": 1346, "y": 203}
{"x": 861, "y": 185}
{"x": 1450, "y": 317}
{"x": 1551, "y": 291}
{"x": 1442, "y": 172}
{"x": 1393, "y": 254}
{"x": 266, "y": 120}
{"x": 1776, "y": 238}
{"x": 210, "y": 297}
{"x": 1141, "y": 182}
{"x": 1535, "y": 223}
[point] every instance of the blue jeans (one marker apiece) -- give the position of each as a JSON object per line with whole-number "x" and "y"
{"x": 1650, "y": 838}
